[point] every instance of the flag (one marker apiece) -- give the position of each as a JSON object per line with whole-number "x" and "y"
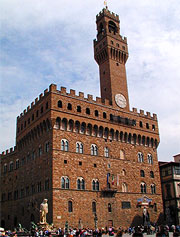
{"x": 105, "y": 3}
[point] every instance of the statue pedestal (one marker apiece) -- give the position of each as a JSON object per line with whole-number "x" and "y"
{"x": 43, "y": 225}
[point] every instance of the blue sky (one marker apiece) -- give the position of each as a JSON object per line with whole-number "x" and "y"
{"x": 45, "y": 41}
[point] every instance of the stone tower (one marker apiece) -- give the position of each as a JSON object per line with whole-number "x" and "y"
{"x": 111, "y": 53}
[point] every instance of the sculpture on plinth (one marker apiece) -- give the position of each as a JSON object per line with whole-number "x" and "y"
{"x": 43, "y": 211}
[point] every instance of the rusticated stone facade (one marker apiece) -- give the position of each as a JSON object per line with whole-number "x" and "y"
{"x": 87, "y": 157}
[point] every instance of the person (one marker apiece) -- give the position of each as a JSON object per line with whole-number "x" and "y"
{"x": 43, "y": 211}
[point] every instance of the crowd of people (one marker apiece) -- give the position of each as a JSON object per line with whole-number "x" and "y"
{"x": 138, "y": 231}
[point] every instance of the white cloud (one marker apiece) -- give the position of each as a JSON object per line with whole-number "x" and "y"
{"x": 44, "y": 42}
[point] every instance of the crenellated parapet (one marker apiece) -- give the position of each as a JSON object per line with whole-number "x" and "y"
{"x": 106, "y": 12}
{"x": 10, "y": 151}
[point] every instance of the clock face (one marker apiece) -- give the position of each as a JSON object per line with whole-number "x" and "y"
{"x": 120, "y": 100}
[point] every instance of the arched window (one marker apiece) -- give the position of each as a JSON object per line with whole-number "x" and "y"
{"x": 109, "y": 207}
{"x": 5, "y": 168}
{"x": 78, "y": 108}
{"x": 69, "y": 106}
{"x": 17, "y": 163}
{"x": 124, "y": 187}
{"x": 64, "y": 145}
{"x": 112, "y": 27}
{"x": 123, "y": 172}
{"x": 80, "y": 184}
{"x": 94, "y": 207}
{"x": 150, "y": 159}
{"x": 94, "y": 150}
{"x": 79, "y": 147}
{"x": 70, "y": 206}
{"x": 59, "y": 104}
{"x": 153, "y": 188}
{"x": 62, "y": 182}
{"x": 11, "y": 166}
{"x": 151, "y": 174}
{"x": 87, "y": 111}
{"x": 122, "y": 155}
{"x": 57, "y": 123}
{"x": 95, "y": 185}
{"x": 67, "y": 183}
{"x": 106, "y": 152}
{"x": 96, "y": 113}
{"x": 142, "y": 174}
{"x": 140, "y": 157}
{"x": 143, "y": 187}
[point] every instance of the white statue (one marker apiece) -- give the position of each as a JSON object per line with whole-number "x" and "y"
{"x": 43, "y": 211}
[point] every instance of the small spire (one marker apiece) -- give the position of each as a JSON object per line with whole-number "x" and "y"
{"x": 105, "y": 4}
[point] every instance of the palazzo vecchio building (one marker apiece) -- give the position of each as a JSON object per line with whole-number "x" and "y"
{"x": 95, "y": 160}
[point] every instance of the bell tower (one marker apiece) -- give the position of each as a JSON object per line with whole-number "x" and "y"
{"x": 111, "y": 54}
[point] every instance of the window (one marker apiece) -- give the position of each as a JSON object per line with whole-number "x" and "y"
{"x": 65, "y": 161}
{"x": 109, "y": 207}
{"x": 79, "y": 147}
{"x": 69, "y": 107}
{"x": 46, "y": 184}
{"x": 143, "y": 187}
{"x": 147, "y": 125}
{"x": 140, "y": 124}
{"x": 80, "y": 184}
{"x": 177, "y": 170}
{"x": 80, "y": 163}
{"x": 39, "y": 187}
{"x": 46, "y": 105}
{"x": 47, "y": 147}
{"x": 151, "y": 174}
{"x": 142, "y": 174}
{"x": 140, "y": 157}
{"x": 104, "y": 115}
{"x": 11, "y": 166}
{"x": 87, "y": 111}
{"x": 64, "y": 145}
{"x": 150, "y": 159}
{"x": 95, "y": 185}
{"x": 153, "y": 127}
{"x": 96, "y": 113}
{"x": 33, "y": 155}
{"x": 94, "y": 207}
{"x": 37, "y": 113}
{"x": 124, "y": 187}
{"x": 126, "y": 205}
{"x": 65, "y": 182}
{"x": 122, "y": 155}
{"x": 79, "y": 108}
{"x": 168, "y": 191}
{"x": 106, "y": 152}
{"x": 59, "y": 104}
{"x": 41, "y": 109}
{"x": 5, "y": 168}
{"x": 28, "y": 120}
{"x": 153, "y": 188}
{"x": 40, "y": 151}
{"x": 94, "y": 150}
{"x": 17, "y": 164}
{"x": 70, "y": 206}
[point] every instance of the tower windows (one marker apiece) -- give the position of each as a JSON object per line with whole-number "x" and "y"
{"x": 47, "y": 147}
{"x": 109, "y": 207}
{"x": 140, "y": 124}
{"x": 17, "y": 163}
{"x": 112, "y": 27}
{"x": 64, "y": 145}
{"x": 11, "y": 166}
{"x": 140, "y": 157}
{"x": 147, "y": 125}
{"x": 5, "y": 168}
{"x": 94, "y": 150}
{"x": 143, "y": 187}
{"x": 59, "y": 104}
{"x": 153, "y": 127}
{"x": 41, "y": 109}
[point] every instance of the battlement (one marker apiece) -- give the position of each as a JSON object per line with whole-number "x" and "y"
{"x": 142, "y": 114}
{"x": 81, "y": 96}
{"x": 106, "y": 12}
{"x": 9, "y": 151}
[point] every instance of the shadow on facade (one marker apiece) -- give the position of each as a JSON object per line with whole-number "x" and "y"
{"x": 137, "y": 220}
